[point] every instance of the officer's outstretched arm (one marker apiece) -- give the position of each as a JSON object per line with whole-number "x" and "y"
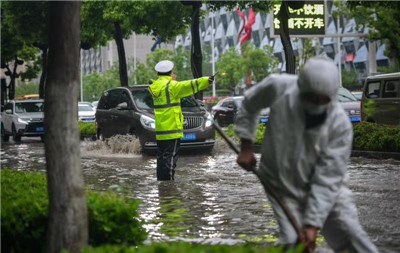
{"x": 189, "y": 87}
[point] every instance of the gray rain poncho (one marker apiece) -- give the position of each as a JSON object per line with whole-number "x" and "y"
{"x": 306, "y": 167}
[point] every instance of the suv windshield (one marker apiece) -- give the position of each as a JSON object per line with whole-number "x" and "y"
{"x": 345, "y": 95}
{"x": 29, "y": 107}
{"x": 143, "y": 100}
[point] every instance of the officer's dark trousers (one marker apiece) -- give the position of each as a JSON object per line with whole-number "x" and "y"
{"x": 167, "y": 156}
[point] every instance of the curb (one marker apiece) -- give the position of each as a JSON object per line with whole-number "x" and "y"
{"x": 376, "y": 154}
{"x": 358, "y": 153}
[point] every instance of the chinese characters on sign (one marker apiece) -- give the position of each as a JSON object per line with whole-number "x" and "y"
{"x": 308, "y": 20}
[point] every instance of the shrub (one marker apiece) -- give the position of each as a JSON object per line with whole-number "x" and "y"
{"x": 376, "y": 137}
{"x": 24, "y": 214}
{"x": 259, "y": 134}
{"x": 87, "y": 128}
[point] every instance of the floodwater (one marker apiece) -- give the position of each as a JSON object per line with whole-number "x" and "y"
{"x": 212, "y": 200}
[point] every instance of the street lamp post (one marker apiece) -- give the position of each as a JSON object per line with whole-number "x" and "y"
{"x": 212, "y": 52}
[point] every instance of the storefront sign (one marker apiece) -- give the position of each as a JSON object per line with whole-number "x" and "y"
{"x": 308, "y": 21}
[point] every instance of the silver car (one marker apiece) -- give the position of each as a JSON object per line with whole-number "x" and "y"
{"x": 350, "y": 104}
{"x": 22, "y": 118}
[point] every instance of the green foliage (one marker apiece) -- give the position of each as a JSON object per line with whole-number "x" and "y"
{"x": 259, "y": 134}
{"x": 87, "y": 128}
{"x": 26, "y": 88}
{"x": 391, "y": 69}
{"x": 230, "y": 68}
{"x": 381, "y": 19}
{"x": 181, "y": 59}
{"x": 23, "y": 30}
{"x": 24, "y": 214}
{"x": 183, "y": 247}
{"x": 95, "y": 84}
{"x": 375, "y": 137}
{"x": 260, "y": 62}
{"x": 24, "y": 208}
{"x": 114, "y": 219}
{"x": 349, "y": 78}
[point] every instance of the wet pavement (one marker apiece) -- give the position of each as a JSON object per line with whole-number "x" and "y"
{"x": 212, "y": 200}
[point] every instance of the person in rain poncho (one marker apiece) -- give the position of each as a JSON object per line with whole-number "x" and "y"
{"x": 304, "y": 158}
{"x": 167, "y": 94}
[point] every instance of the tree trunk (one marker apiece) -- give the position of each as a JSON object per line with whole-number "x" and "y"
{"x": 43, "y": 76}
{"x": 285, "y": 38}
{"x": 13, "y": 76}
{"x": 196, "y": 56}
{"x": 123, "y": 72}
{"x": 67, "y": 228}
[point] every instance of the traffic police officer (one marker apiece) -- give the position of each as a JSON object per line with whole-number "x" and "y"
{"x": 167, "y": 94}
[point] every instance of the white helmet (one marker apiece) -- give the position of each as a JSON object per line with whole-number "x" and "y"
{"x": 164, "y": 66}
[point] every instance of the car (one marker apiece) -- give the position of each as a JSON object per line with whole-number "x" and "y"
{"x": 357, "y": 94}
{"x": 350, "y": 104}
{"x": 94, "y": 104}
{"x": 380, "y": 102}
{"x": 129, "y": 110}
{"x": 22, "y": 118}
{"x": 224, "y": 112}
{"x": 86, "y": 113}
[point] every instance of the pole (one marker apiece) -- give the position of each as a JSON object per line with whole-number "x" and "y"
{"x": 212, "y": 51}
{"x": 270, "y": 191}
{"x": 134, "y": 55}
{"x": 339, "y": 52}
{"x": 81, "y": 78}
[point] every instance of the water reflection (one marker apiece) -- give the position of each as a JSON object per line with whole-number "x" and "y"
{"x": 212, "y": 200}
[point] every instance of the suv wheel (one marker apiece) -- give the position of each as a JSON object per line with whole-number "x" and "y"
{"x": 16, "y": 136}
{"x": 4, "y": 136}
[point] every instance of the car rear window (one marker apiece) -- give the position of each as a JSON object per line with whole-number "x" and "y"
{"x": 345, "y": 95}
{"x": 29, "y": 107}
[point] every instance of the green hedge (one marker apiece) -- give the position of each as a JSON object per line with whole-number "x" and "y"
{"x": 375, "y": 137}
{"x": 24, "y": 214}
{"x": 87, "y": 128}
{"x": 367, "y": 136}
{"x": 259, "y": 135}
{"x": 184, "y": 247}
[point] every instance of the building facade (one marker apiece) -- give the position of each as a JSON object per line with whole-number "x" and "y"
{"x": 352, "y": 54}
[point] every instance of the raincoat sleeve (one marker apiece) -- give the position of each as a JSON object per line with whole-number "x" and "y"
{"x": 189, "y": 87}
{"x": 329, "y": 173}
{"x": 260, "y": 96}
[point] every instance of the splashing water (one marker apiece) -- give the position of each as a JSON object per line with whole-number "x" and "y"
{"x": 118, "y": 144}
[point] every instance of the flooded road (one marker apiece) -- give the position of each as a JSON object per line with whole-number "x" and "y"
{"x": 212, "y": 200}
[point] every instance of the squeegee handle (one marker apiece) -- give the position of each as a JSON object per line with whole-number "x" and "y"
{"x": 267, "y": 186}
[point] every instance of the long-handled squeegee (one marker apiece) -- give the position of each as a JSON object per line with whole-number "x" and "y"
{"x": 270, "y": 191}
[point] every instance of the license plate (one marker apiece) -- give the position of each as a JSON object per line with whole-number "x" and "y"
{"x": 355, "y": 119}
{"x": 88, "y": 120}
{"x": 39, "y": 129}
{"x": 189, "y": 137}
{"x": 264, "y": 120}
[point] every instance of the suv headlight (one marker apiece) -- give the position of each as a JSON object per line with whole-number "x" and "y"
{"x": 23, "y": 121}
{"x": 147, "y": 122}
{"x": 208, "y": 120}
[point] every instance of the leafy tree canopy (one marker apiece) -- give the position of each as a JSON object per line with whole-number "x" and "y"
{"x": 259, "y": 61}
{"x": 230, "y": 68}
{"x": 382, "y": 17}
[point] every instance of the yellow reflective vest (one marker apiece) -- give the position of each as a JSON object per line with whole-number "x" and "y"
{"x": 167, "y": 94}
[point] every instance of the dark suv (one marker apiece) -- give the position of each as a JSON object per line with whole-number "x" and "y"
{"x": 130, "y": 111}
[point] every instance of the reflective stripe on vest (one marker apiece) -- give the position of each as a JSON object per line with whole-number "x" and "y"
{"x": 166, "y": 106}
